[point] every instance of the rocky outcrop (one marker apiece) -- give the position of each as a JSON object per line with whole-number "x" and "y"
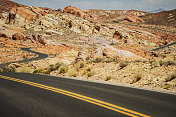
{"x": 133, "y": 18}
{"x": 74, "y": 11}
{"x": 22, "y": 15}
{"x": 18, "y": 36}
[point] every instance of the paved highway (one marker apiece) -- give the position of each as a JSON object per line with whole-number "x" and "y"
{"x": 39, "y": 56}
{"x": 34, "y": 95}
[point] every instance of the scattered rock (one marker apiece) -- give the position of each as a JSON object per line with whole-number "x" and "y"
{"x": 133, "y": 18}
{"x": 18, "y": 36}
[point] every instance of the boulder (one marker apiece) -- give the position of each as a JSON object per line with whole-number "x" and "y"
{"x": 18, "y": 36}
{"x": 133, "y": 18}
{"x": 117, "y": 35}
{"x": 41, "y": 40}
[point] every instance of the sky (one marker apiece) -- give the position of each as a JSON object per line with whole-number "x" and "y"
{"x": 143, "y": 5}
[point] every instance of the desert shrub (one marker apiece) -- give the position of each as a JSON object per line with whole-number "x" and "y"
{"x": 7, "y": 69}
{"x": 171, "y": 77}
{"x": 25, "y": 69}
{"x": 137, "y": 77}
{"x": 108, "y": 78}
{"x": 138, "y": 60}
{"x": 167, "y": 86}
{"x": 90, "y": 73}
{"x": 166, "y": 63}
{"x": 97, "y": 60}
{"x": 40, "y": 71}
{"x": 72, "y": 73}
{"x": 123, "y": 64}
{"x": 88, "y": 69}
{"x": 62, "y": 69}
{"x": 153, "y": 63}
{"x": 79, "y": 64}
{"x": 113, "y": 59}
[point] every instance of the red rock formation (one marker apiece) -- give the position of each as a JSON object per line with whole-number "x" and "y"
{"x": 59, "y": 10}
{"x": 133, "y": 18}
{"x": 41, "y": 40}
{"x": 7, "y": 5}
{"x": 75, "y": 11}
{"x": 30, "y": 13}
{"x": 18, "y": 36}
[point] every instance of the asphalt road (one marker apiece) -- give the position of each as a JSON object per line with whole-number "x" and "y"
{"x": 34, "y": 95}
{"x": 39, "y": 56}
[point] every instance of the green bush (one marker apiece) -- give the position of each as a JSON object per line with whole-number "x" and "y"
{"x": 62, "y": 69}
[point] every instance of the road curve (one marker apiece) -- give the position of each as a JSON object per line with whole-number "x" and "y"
{"x": 39, "y": 56}
{"x": 34, "y": 95}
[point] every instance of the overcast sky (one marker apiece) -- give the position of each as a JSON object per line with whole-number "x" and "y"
{"x": 144, "y": 5}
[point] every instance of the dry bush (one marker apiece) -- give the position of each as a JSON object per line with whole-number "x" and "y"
{"x": 40, "y": 71}
{"x": 79, "y": 64}
{"x": 25, "y": 69}
{"x": 170, "y": 77}
{"x": 137, "y": 77}
{"x": 123, "y": 64}
{"x": 108, "y": 78}
{"x": 72, "y": 73}
{"x": 63, "y": 69}
{"x": 7, "y": 69}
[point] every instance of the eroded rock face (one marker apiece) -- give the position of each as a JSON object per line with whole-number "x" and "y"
{"x": 133, "y": 18}
{"x": 74, "y": 11}
{"x": 21, "y": 15}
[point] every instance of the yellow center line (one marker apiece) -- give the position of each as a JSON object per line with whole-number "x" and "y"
{"x": 81, "y": 97}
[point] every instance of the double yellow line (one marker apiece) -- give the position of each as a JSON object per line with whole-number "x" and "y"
{"x": 81, "y": 97}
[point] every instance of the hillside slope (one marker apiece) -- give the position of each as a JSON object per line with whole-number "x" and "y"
{"x": 7, "y": 5}
{"x": 167, "y": 18}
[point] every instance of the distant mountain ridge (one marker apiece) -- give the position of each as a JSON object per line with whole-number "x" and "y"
{"x": 158, "y": 10}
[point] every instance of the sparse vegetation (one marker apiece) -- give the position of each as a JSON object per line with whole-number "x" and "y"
{"x": 167, "y": 86}
{"x": 72, "y": 73}
{"x": 138, "y": 60}
{"x": 108, "y": 78}
{"x": 7, "y": 69}
{"x": 53, "y": 67}
{"x": 63, "y": 69}
{"x": 166, "y": 63}
{"x": 25, "y": 69}
{"x": 123, "y": 64}
{"x": 137, "y": 77}
{"x": 171, "y": 77}
{"x": 79, "y": 64}
{"x": 90, "y": 73}
{"x": 40, "y": 71}
{"x": 97, "y": 60}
